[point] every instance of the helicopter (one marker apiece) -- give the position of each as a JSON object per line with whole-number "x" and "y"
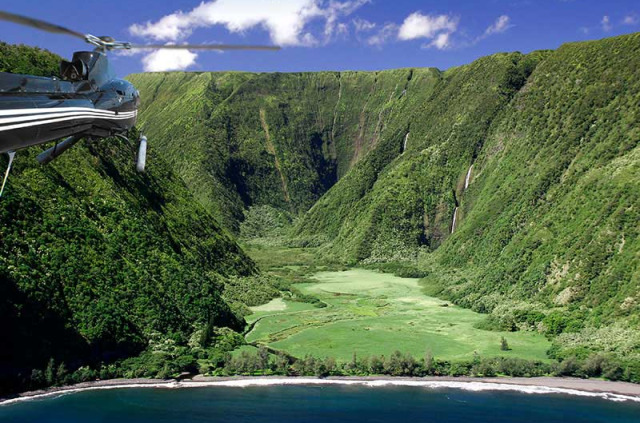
{"x": 87, "y": 100}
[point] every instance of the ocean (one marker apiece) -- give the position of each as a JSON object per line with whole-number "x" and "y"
{"x": 318, "y": 403}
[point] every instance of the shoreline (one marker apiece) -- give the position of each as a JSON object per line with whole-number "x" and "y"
{"x": 615, "y": 391}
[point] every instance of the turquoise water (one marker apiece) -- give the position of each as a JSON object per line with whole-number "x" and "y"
{"x": 316, "y": 404}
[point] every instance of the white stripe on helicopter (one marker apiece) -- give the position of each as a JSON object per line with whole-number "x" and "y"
{"x": 55, "y": 110}
{"x": 61, "y": 114}
{"x": 48, "y": 121}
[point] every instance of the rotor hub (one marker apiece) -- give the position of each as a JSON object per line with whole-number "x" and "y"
{"x": 106, "y": 43}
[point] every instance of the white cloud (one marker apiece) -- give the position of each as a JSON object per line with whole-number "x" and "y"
{"x": 363, "y": 25}
{"x": 501, "y": 24}
{"x": 437, "y": 28}
{"x": 417, "y": 25}
{"x": 388, "y": 31}
{"x": 342, "y": 29}
{"x": 170, "y": 27}
{"x": 441, "y": 42}
{"x": 630, "y": 19}
{"x": 606, "y": 24}
{"x": 285, "y": 20}
{"x": 334, "y": 11}
{"x": 168, "y": 60}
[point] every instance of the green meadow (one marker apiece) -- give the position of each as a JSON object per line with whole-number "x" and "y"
{"x": 371, "y": 313}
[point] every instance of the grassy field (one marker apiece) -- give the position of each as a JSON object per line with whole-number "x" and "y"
{"x": 374, "y": 313}
{"x": 278, "y": 257}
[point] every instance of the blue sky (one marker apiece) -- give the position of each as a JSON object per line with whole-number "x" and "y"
{"x": 323, "y": 34}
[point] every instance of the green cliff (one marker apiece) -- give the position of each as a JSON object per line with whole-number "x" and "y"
{"x": 375, "y": 166}
{"x": 95, "y": 258}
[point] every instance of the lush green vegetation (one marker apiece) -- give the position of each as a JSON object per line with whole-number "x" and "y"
{"x": 546, "y": 237}
{"x": 558, "y": 224}
{"x": 243, "y": 139}
{"x": 375, "y": 313}
{"x": 98, "y": 263}
{"x": 205, "y": 352}
{"x": 395, "y": 202}
{"x": 28, "y": 60}
{"x": 245, "y": 291}
{"x": 95, "y": 258}
{"x": 263, "y": 222}
{"x": 547, "y": 231}
{"x": 260, "y": 362}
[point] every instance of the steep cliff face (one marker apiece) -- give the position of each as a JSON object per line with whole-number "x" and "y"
{"x": 95, "y": 257}
{"x": 283, "y": 140}
{"x": 512, "y": 182}
{"x": 241, "y": 139}
{"x": 535, "y": 155}
{"x": 398, "y": 199}
{"x": 551, "y": 212}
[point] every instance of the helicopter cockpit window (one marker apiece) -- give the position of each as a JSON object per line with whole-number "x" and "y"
{"x": 73, "y": 71}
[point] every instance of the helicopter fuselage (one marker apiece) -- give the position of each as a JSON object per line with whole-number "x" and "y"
{"x": 88, "y": 101}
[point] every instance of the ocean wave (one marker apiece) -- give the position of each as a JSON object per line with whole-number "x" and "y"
{"x": 373, "y": 383}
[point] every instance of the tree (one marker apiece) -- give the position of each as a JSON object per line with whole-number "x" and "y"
{"x": 428, "y": 362}
{"x": 504, "y": 345}
{"x": 50, "y": 372}
{"x": 309, "y": 365}
{"x": 352, "y": 366}
{"x": 281, "y": 364}
{"x": 568, "y": 367}
{"x": 330, "y": 365}
{"x": 186, "y": 363}
{"x": 207, "y": 332}
{"x": 263, "y": 358}
{"x": 393, "y": 365}
{"x": 376, "y": 365}
{"x": 61, "y": 374}
{"x": 37, "y": 379}
{"x": 320, "y": 369}
{"x": 592, "y": 366}
{"x": 485, "y": 368}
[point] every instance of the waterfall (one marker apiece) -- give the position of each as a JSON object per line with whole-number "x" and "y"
{"x": 404, "y": 146}
{"x": 466, "y": 181}
{"x": 453, "y": 224}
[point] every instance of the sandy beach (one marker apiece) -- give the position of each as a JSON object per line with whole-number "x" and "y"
{"x": 616, "y": 391}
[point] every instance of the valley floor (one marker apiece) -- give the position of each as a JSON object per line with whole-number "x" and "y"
{"x": 365, "y": 312}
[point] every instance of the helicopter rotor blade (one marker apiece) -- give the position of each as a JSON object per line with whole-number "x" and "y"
{"x": 107, "y": 43}
{"x": 203, "y": 47}
{"x": 38, "y": 24}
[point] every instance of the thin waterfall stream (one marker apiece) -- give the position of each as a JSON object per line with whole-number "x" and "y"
{"x": 466, "y": 185}
{"x": 404, "y": 145}
{"x": 453, "y": 224}
{"x": 466, "y": 180}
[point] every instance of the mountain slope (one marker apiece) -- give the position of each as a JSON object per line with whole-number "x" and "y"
{"x": 535, "y": 155}
{"x": 95, "y": 258}
{"x": 551, "y": 211}
{"x": 388, "y": 155}
{"x": 242, "y": 139}
{"x": 394, "y": 200}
